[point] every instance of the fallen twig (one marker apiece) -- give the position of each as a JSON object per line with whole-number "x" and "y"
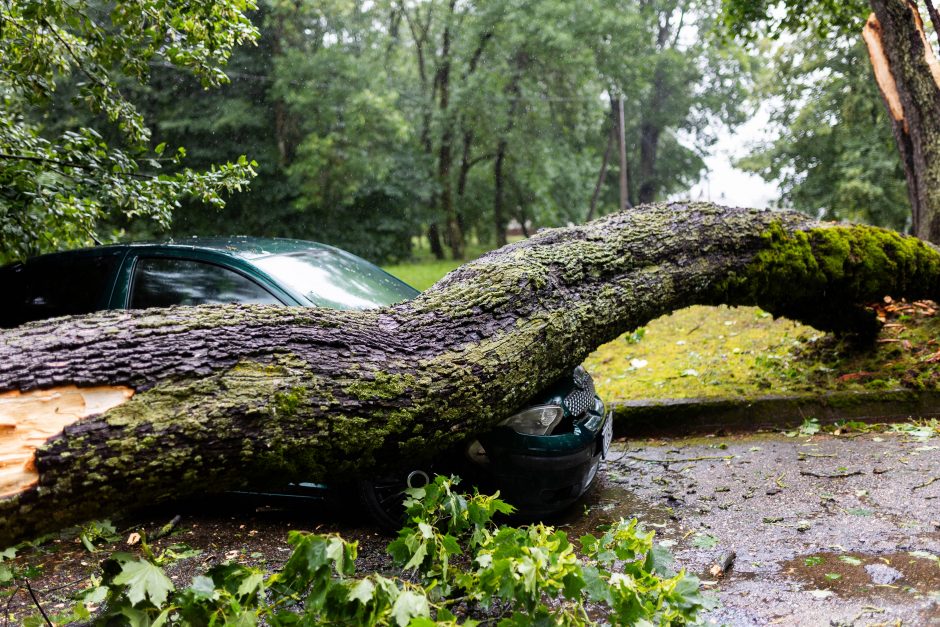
{"x": 680, "y": 460}
{"x": 925, "y": 483}
{"x": 840, "y": 475}
{"x": 723, "y": 565}
{"x": 29, "y": 588}
{"x": 868, "y": 609}
{"x": 803, "y": 454}
{"x": 166, "y": 529}
{"x": 6, "y": 614}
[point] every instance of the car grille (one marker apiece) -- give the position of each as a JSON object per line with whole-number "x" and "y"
{"x": 581, "y": 398}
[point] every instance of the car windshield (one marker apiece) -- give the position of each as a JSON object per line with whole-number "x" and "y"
{"x": 334, "y": 279}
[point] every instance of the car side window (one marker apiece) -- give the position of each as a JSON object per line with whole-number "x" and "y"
{"x": 57, "y": 285}
{"x": 166, "y": 281}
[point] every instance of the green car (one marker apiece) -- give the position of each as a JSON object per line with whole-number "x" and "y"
{"x": 542, "y": 459}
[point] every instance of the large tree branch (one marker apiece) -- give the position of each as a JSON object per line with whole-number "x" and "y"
{"x": 189, "y": 399}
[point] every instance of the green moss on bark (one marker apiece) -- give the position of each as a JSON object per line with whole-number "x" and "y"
{"x": 845, "y": 264}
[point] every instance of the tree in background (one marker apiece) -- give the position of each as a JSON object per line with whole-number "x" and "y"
{"x": 387, "y": 115}
{"x": 57, "y": 189}
{"x": 836, "y": 158}
{"x": 373, "y": 122}
{"x": 679, "y": 84}
{"x": 905, "y": 69}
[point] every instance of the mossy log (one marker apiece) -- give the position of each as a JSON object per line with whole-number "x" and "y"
{"x": 180, "y": 401}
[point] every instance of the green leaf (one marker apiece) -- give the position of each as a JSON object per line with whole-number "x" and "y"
{"x": 363, "y": 591}
{"x": 144, "y": 580}
{"x": 134, "y": 616}
{"x": 660, "y": 561}
{"x": 95, "y": 595}
{"x": 704, "y": 541}
{"x": 418, "y": 557}
{"x": 204, "y": 588}
{"x": 252, "y": 584}
{"x": 86, "y": 542}
{"x": 408, "y": 605}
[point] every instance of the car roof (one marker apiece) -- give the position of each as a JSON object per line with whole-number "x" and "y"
{"x": 241, "y": 246}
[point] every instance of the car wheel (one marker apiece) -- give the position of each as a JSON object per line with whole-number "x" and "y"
{"x": 383, "y": 498}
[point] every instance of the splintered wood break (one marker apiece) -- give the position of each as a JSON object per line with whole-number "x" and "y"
{"x": 882, "y": 69}
{"x": 29, "y": 419}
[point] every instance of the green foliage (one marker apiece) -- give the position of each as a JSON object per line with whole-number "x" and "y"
{"x": 6, "y": 573}
{"x": 97, "y": 531}
{"x": 836, "y": 157}
{"x": 809, "y": 427}
{"x": 341, "y": 105}
{"x": 822, "y": 18}
{"x": 58, "y": 187}
{"x": 458, "y": 556}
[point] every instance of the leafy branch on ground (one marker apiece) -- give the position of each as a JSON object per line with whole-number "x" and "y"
{"x": 916, "y": 429}
{"x": 459, "y": 567}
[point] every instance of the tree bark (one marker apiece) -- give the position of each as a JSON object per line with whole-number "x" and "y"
{"x": 909, "y": 78}
{"x": 186, "y": 400}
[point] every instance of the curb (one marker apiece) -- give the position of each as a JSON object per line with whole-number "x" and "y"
{"x": 708, "y": 415}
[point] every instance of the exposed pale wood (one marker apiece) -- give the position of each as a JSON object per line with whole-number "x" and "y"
{"x": 28, "y": 420}
{"x": 879, "y": 63}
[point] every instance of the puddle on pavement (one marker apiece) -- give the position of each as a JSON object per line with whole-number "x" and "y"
{"x": 860, "y": 575}
{"x": 606, "y": 504}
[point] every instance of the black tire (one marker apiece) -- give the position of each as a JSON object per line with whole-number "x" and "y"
{"x": 383, "y": 498}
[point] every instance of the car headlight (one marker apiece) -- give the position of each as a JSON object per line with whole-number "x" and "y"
{"x": 538, "y": 420}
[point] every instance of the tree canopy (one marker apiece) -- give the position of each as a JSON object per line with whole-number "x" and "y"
{"x": 374, "y": 122}
{"x": 904, "y": 66}
{"x": 58, "y": 187}
{"x": 835, "y": 156}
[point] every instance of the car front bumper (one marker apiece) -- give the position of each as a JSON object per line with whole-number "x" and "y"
{"x": 544, "y": 474}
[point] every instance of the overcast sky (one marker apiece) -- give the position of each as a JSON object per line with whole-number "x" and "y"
{"x": 727, "y": 185}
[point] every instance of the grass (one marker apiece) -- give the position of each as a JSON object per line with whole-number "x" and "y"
{"x": 722, "y": 351}
{"x": 422, "y": 275}
{"x": 424, "y": 270}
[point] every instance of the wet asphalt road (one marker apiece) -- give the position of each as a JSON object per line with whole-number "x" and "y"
{"x": 826, "y": 530}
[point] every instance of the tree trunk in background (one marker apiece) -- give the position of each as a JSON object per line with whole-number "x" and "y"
{"x": 649, "y": 142}
{"x": 434, "y": 239}
{"x": 499, "y": 216}
{"x": 179, "y": 401}
{"x": 454, "y": 235}
{"x": 909, "y": 78}
{"x": 499, "y": 193}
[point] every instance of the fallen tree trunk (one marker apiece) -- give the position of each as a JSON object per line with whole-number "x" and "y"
{"x": 120, "y": 409}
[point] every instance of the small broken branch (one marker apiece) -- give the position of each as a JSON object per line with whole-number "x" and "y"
{"x": 723, "y": 565}
{"x": 666, "y": 462}
{"x": 166, "y": 529}
{"x": 926, "y": 483}
{"x": 29, "y": 588}
{"x": 838, "y": 475}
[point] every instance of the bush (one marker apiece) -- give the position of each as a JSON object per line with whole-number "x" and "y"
{"x": 459, "y": 567}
